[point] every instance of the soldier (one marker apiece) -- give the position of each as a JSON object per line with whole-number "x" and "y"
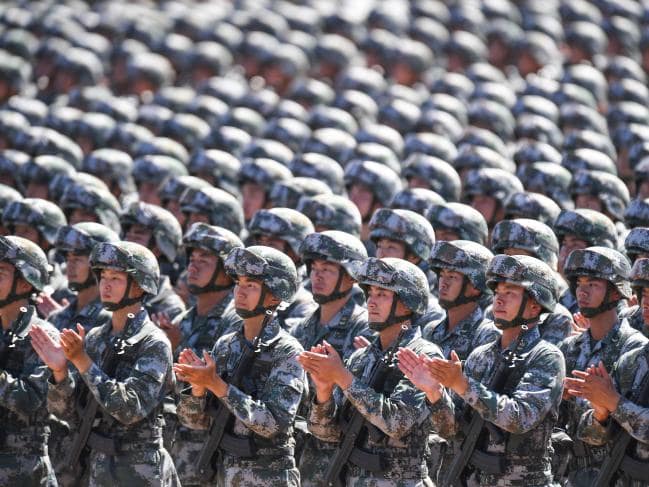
{"x": 457, "y": 221}
{"x": 331, "y": 212}
{"x": 202, "y": 325}
{"x": 636, "y": 245}
{"x": 599, "y": 278}
{"x": 285, "y": 229}
{"x": 125, "y": 444}
{"x": 172, "y": 190}
{"x": 24, "y": 458}
{"x": 519, "y": 417}
{"x": 265, "y": 403}
{"x": 397, "y": 292}
{"x": 7, "y": 195}
{"x": 256, "y": 180}
{"x": 214, "y": 206}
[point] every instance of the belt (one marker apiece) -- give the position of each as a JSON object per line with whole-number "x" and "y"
{"x": 113, "y": 446}
{"x": 394, "y": 467}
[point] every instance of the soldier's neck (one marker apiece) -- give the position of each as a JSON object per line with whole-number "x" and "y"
{"x": 9, "y": 313}
{"x": 390, "y": 334}
{"x": 87, "y": 296}
{"x": 329, "y": 310}
{"x": 509, "y": 336}
{"x": 601, "y": 324}
{"x": 252, "y": 326}
{"x": 206, "y": 301}
{"x": 457, "y": 314}
{"x": 121, "y": 316}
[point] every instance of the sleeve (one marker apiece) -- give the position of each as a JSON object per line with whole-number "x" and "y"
{"x": 538, "y": 391}
{"x": 322, "y": 421}
{"x": 26, "y": 393}
{"x": 134, "y": 398}
{"x": 191, "y": 412}
{"x": 275, "y": 410}
{"x": 60, "y": 397}
{"x": 634, "y": 419}
{"x": 592, "y": 431}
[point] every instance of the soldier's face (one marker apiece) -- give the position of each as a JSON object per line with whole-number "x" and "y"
{"x": 363, "y": 198}
{"x": 77, "y": 268}
{"x": 569, "y": 243}
{"x": 37, "y": 190}
{"x": 590, "y": 292}
{"x": 588, "y": 201}
{"x": 513, "y": 251}
{"x": 139, "y": 234}
{"x": 79, "y": 215}
{"x": 417, "y": 182}
{"x": 324, "y": 277}
{"x": 6, "y": 279}
{"x": 254, "y": 198}
{"x": 486, "y": 205}
{"x": 112, "y": 285}
{"x": 442, "y": 234}
{"x": 507, "y": 301}
{"x": 202, "y": 265}
{"x": 644, "y": 305}
{"x": 386, "y": 247}
{"x": 196, "y": 218}
{"x": 27, "y": 231}
{"x": 450, "y": 284}
{"x": 379, "y": 304}
{"x": 174, "y": 207}
{"x": 148, "y": 192}
{"x": 247, "y": 292}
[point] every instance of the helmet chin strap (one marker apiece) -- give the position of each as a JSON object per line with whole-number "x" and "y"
{"x": 12, "y": 297}
{"x": 211, "y": 286}
{"x": 259, "y": 308}
{"x": 81, "y": 286}
{"x": 605, "y": 305}
{"x": 461, "y": 298}
{"x": 125, "y": 301}
{"x": 335, "y": 294}
{"x": 392, "y": 319}
{"x": 518, "y": 320}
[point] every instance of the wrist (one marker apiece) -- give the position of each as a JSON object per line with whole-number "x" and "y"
{"x": 461, "y": 385}
{"x": 198, "y": 391}
{"x": 344, "y": 379}
{"x": 601, "y": 415}
{"x": 434, "y": 394}
{"x": 82, "y": 363}
{"x": 60, "y": 375}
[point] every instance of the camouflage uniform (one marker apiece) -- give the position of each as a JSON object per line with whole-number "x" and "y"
{"x": 265, "y": 405}
{"x": 629, "y": 374}
{"x": 131, "y": 401}
{"x": 523, "y": 415}
{"x": 166, "y": 301}
{"x": 400, "y": 413}
{"x": 581, "y": 351}
{"x": 24, "y": 456}
{"x": 639, "y": 279}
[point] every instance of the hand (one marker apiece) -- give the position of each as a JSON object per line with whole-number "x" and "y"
{"x": 47, "y": 306}
{"x": 580, "y": 324}
{"x": 202, "y": 376}
{"x": 328, "y": 365}
{"x": 73, "y": 348}
{"x": 361, "y": 342}
{"x": 596, "y": 386}
{"x": 449, "y": 373}
{"x": 414, "y": 368}
{"x": 172, "y": 331}
{"x": 50, "y": 352}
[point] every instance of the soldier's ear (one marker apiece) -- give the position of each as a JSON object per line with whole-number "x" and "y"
{"x": 22, "y": 286}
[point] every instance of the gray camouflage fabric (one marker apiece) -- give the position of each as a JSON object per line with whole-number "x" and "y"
{"x": 378, "y": 178}
{"x": 264, "y": 408}
{"x": 601, "y": 263}
{"x": 593, "y": 227}
{"x": 462, "y": 219}
{"x": 463, "y": 256}
{"x": 532, "y": 205}
{"x": 581, "y": 351}
{"x": 629, "y": 373}
{"x": 130, "y": 403}
{"x": 283, "y": 223}
{"x": 403, "y": 226}
{"x": 165, "y": 301}
{"x": 529, "y": 235}
{"x": 332, "y": 212}
{"x": 400, "y": 412}
{"x": 24, "y": 456}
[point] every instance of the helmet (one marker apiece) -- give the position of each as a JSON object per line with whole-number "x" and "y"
{"x": 111, "y": 166}
{"x": 529, "y": 235}
{"x": 549, "y": 179}
{"x": 265, "y": 172}
{"x": 381, "y": 180}
{"x": 496, "y": 183}
{"x": 42, "y": 169}
{"x": 272, "y": 267}
{"x": 403, "y": 278}
{"x": 7, "y": 195}
{"x": 163, "y": 225}
{"x": 319, "y": 166}
{"x": 588, "y": 159}
{"x": 95, "y": 199}
{"x": 441, "y": 176}
{"x": 532, "y": 205}
{"x": 283, "y": 223}
{"x": 332, "y": 212}
{"x": 174, "y": 187}
{"x": 462, "y": 219}
{"x": 287, "y": 193}
{"x": 42, "y": 214}
{"x": 418, "y": 200}
{"x": 222, "y": 209}
{"x": 479, "y": 157}
{"x": 135, "y": 260}
{"x": 29, "y": 260}
{"x": 156, "y": 169}
{"x": 610, "y": 190}
{"x": 636, "y": 214}
{"x": 403, "y": 226}
{"x": 468, "y": 258}
{"x": 533, "y": 275}
{"x": 82, "y": 237}
{"x": 637, "y": 242}
{"x": 640, "y": 275}
{"x": 600, "y": 263}
{"x": 219, "y": 165}
{"x": 591, "y": 226}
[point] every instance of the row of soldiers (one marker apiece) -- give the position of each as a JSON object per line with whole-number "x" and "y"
{"x": 443, "y": 336}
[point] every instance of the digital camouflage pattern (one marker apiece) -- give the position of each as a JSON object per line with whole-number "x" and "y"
{"x": 403, "y": 226}
{"x": 637, "y": 213}
{"x": 548, "y": 178}
{"x": 581, "y": 351}
{"x": 464, "y": 256}
{"x": 523, "y": 416}
{"x": 24, "y": 456}
{"x": 91, "y": 315}
{"x": 333, "y": 246}
{"x": 600, "y": 263}
{"x": 166, "y": 300}
{"x": 419, "y": 200}
{"x": 131, "y": 405}
{"x": 28, "y": 259}
{"x": 639, "y": 280}
{"x": 94, "y": 199}
{"x": 462, "y": 219}
{"x": 264, "y": 408}
{"x": 629, "y": 374}
{"x": 497, "y": 183}
{"x": 593, "y": 227}
{"x": 399, "y": 411}
{"x": 287, "y": 194}
{"x": 82, "y": 237}
{"x": 221, "y": 208}
{"x": 283, "y": 223}
{"x": 218, "y": 240}
{"x": 265, "y": 172}
{"x": 610, "y": 189}
{"x": 156, "y": 169}
{"x": 44, "y": 215}
{"x": 174, "y": 187}
{"x": 532, "y": 205}
{"x": 332, "y": 213}
{"x": 7, "y": 195}
{"x": 378, "y": 178}
{"x": 636, "y": 243}
{"x": 529, "y": 235}
{"x": 440, "y": 175}
{"x": 221, "y": 166}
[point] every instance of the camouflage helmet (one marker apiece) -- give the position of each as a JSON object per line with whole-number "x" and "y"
{"x": 287, "y": 194}
{"x": 378, "y": 178}
{"x": 319, "y": 166}
{"x": 266, "y": 264}
{"x": 42, "y": 169}
{"x": 403, "y": 278}
{"x": 29, "y": 259}
{"x": 497, "y": 183}
{"x": 636, "y": 214}
{"x": 222, "y": 209}
{"x": 163, "y": 225}
{"x": 283, "y": 223}
{"x": 532, "y": 205}
{"x": 418, "y": 200}
{"x": 403, "y": 226}
{"x": 529, "y": 235}
{"x": 610, "y": 190}
{"x": 464, "y": 256}
{"x": 111, "y": 166}
{"x": 174, "y": 187}
{"x": 333, "y": 246}
{"x": 637, "y": 242}
{"x": 44, "y": 215}
{"x": 264, "y": 172}
{"x": 593, "y": 227}
{"x": 95, "y": 199}
{"x": 156, "y": 169}
{"x": 7, "y": 195}
{"x": 442, "y": 177}
{"x": 132, "y": 258}
{"x": 600, "y": 263}
{"x": 222, "y": 166}
{"x": 640, "y": 276}
{"x": 538, "y": 280}
{"x": 459, "y": 218}
{"x": 82, "y": 237}
{"x": 548, "y": 178}
{"x": 332, "y": 212}
{"x": 217, "y": 240}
